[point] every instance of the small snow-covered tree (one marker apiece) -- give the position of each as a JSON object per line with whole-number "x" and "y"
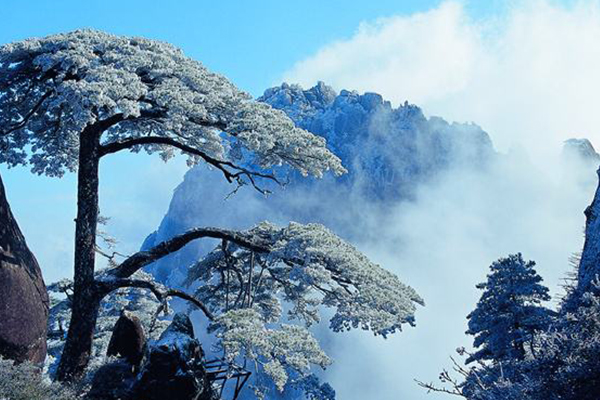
{"x": 509, "y": 312}
{"x": 251, "y": 275}
{"x": 69, "y": 100}
{"x": 302, "y": 268}
{"x": 564, "y": 361}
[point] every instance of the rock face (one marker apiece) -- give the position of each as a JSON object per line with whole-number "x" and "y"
{"x": 23, "y": 297}
{"x": 173, "y": 366}
{"x": 589, "y": 265}
{"x": 128, "y": 339}
{"x": 581, "y": 154}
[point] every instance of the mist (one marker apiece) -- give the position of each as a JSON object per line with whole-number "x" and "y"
{"x": 442, "y": 244}
{"x": 440, "y": 241}
{"x": 529, "y": 77}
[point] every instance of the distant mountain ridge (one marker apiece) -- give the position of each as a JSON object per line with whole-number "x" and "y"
{"x": 388, "y": 152}
{"x": 393, "y": 148}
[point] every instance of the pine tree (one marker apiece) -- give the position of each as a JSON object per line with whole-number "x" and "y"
{"x": 69, "y": 100}
{"x": 509, "y": 312}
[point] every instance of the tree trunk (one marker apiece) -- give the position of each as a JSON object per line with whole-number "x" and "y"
{"x": 86, "y": 300}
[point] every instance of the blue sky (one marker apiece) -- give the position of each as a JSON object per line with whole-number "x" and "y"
{"x": 251, "y": 42}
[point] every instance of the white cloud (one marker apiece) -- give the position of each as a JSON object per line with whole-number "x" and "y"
{"x": 442, "y": 244}
{"x": 530, "y": 78}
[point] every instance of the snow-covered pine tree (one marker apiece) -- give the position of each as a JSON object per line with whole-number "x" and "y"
{"x": 302, "y": 269}
{"x": 68, "y": 100}
{"x": 509, "y": 312}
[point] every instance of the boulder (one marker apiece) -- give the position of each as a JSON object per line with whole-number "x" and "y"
{"x": 128, "y": 339}
{"x": 23, "y": 298}
{"x": 173, "y": 366}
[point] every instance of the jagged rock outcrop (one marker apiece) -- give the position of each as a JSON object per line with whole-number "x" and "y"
{"x": 173, "y": 366}
{"x": 128, "y": 339}
{"x": 172, "y": 369}
{"x": 393, "y": 148}
{"x": 589, "y": 265}
{"x": 581, "y": 150}
{"x": 23, "y": 298}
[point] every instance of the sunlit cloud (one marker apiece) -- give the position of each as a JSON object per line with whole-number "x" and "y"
{"x": 530, "y": 78}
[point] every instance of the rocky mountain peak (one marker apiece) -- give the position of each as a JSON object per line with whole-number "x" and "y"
{"x": 580, "y": 148}
{"x": 394, "y": 147}
{"x": 297, "y": 102}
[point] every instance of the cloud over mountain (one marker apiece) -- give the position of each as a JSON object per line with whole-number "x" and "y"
{"x": 528, "y": 77}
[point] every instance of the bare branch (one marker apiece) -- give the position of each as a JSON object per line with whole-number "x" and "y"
{"x": 104, "y": 287}
{"x": 232, "y": 172}
{"x": 433, "y": 388}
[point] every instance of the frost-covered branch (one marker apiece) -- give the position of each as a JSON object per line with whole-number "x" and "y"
{"x": 301, "y": 268}
{"x": 53, "y": 88}
{"x": 281, "y": 351}
{"x": 230, "y": 171}
{"x": 302, "y": 262}
{"x": 25, "y": 119}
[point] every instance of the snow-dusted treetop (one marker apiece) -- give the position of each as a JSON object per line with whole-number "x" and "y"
{"x": 310, "y": 266}
{"x": 305, "y": 267}
{"x": 139, "y": 92}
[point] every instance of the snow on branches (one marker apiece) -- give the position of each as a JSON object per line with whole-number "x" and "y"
{"x": 242, "y": 332}
{"x": 308, "y": 266}
{"x": 301, "y": 268}
{"x": 142, "y": 94}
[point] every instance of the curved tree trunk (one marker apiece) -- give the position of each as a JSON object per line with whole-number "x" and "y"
{"x": 86, "y": 300}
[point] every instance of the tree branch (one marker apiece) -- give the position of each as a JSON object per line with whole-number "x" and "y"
{"x": 231, "y": 171}
{"x": 143, "y": 258}
{"x": 433, "y": 388}
{"x": 28, "y": 116}
{"x": 104, "y": 287}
